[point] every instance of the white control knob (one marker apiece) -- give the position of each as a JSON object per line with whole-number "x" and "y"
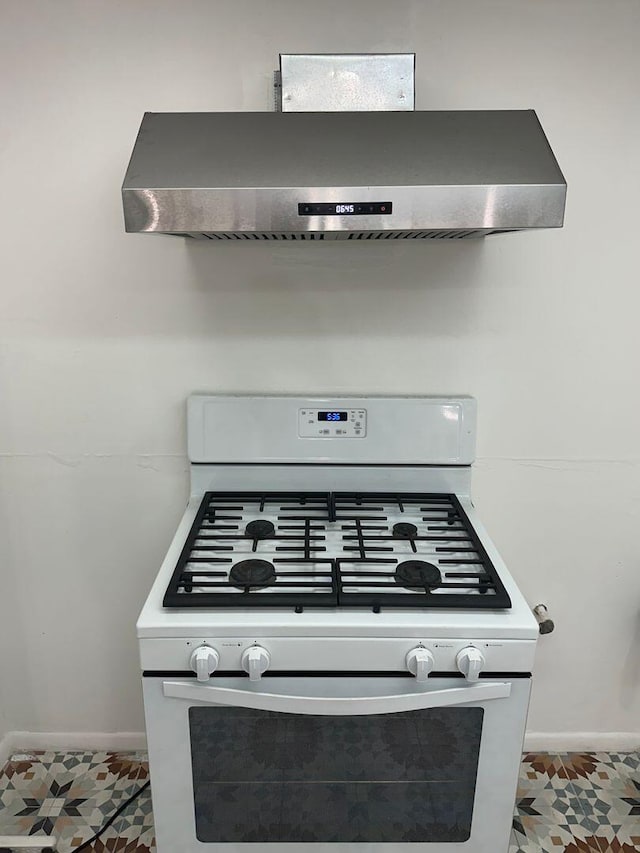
{"x": 255, "y": 661}
{"x": 204, "y": 661}
{"x": 470, "y": 663}
{"x": 420, "y": 662}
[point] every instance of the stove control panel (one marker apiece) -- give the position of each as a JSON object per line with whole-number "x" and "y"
{"x": 332, "y": 423}
{"x": 262, "y": 656}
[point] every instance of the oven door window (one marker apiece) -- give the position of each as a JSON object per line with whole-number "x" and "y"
{"x": 271, "y": 777}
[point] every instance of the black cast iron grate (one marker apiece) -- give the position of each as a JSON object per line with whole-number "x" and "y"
{"x": 340, "y": 549}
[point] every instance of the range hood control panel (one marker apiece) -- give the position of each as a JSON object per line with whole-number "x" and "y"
{"x": 332, "y": 423}
{"x": 346, "y": 208}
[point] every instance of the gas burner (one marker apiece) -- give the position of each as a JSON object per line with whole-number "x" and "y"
{"x": 259, "y": 529}
{"x": 252, "y": 574}
{"x": 418, "y": 575}
{"x": 404, "y": 530}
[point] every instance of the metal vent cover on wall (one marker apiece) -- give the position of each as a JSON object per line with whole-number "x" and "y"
{"x": 347, "y": 82}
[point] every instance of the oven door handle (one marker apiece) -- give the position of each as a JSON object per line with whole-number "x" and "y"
{"x": 352, "y": 705}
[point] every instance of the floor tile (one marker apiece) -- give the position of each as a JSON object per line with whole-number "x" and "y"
{"x": 549, "y": 816}
{"x": 72, "y": 795}
{"x": 540, "y": 836}
{"x": 607, "y": 786}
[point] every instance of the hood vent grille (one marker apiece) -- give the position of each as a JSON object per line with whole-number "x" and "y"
{"x": 340, "y": 235}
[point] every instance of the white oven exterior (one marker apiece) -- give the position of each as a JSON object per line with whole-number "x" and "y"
{"x": 338, "y": 664}
{"x": 169, "y": 698}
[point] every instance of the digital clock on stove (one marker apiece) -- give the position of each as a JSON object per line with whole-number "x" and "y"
{"x": 333, "y": 416}
{"x": 332, "y": 423}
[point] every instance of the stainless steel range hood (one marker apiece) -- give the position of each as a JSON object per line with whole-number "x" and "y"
{"x": 321, "y": 176}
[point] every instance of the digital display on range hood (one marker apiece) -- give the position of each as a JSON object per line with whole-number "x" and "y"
{"x": 345, "y": 208}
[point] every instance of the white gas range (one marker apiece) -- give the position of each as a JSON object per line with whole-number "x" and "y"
{"x": 334, "y": 656}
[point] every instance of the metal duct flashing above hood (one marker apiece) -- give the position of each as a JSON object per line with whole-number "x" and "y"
{"x": 321, "y": 176}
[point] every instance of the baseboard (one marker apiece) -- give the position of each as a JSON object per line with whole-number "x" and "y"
{"x": 6, "y": 749}
{"x": 33, "y": 843}
{"x": 582, "y": 741}
{"x": 98, "y": 741}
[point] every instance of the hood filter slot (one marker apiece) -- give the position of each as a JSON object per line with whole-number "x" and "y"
{"x": 243, "y": 235}
{"x": 415, "y": 235}
{"x": 339, "y": 235}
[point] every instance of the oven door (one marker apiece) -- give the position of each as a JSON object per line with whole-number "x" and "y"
{"x": 337, "y": 763}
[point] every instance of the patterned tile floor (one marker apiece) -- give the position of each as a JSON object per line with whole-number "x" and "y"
{"x": 71, "y": 795}
{"x": 573, "y": 803}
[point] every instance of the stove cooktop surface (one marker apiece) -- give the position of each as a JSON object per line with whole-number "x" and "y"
{"x": 373, "y": 550}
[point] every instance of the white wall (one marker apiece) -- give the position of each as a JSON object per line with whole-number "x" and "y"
{"x": 103, "y": 335}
